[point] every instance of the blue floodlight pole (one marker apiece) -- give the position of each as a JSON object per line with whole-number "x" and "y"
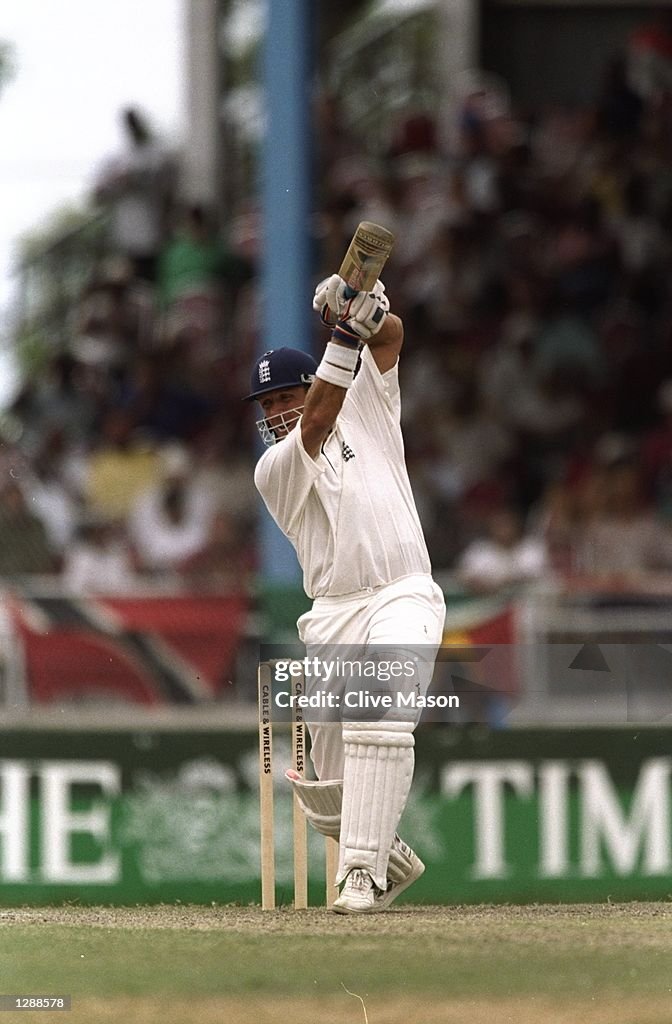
{"x": 286, "y": 206}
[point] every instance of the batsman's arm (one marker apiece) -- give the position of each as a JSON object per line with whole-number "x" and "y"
{"x": 322, "y": 406}
{"x": 324, "y": 399}
{"x": 386, "y": 344}
{"x": 366, "y": 319}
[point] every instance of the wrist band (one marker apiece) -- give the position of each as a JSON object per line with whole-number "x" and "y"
{"x": 338, "y": 365}
{"x": 344, "y": 334}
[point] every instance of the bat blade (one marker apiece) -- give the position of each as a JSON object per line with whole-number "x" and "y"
{"x": 366, "y": 256}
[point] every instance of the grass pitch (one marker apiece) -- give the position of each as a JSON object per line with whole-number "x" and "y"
{"x": 608, "y": 964}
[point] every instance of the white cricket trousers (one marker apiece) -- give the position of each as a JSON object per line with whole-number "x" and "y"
{"x": 408, "y": 613}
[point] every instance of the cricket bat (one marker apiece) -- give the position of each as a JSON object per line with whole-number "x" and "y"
{"x": 366, "y": 256}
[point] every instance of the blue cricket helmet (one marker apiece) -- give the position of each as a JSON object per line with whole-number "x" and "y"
{"x": 281, "y": 368}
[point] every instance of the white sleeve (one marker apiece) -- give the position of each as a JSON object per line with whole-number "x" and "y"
{"x": 284, "y": 477}
{"x": 375, "y": 398}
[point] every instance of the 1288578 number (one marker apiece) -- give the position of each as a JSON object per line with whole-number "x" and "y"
{"x": 26, "y": 1002}
{"x": 38, "y": 1002}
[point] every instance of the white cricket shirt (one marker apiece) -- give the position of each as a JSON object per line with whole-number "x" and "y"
{"x": 349, "y": 512}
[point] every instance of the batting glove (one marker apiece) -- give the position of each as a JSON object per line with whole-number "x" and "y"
{"x": 320, "y": 305}
{"x": 332, "y": 301}
{"x": 365, "y": 314}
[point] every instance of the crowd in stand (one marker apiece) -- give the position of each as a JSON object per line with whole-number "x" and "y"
{"x": 533, "y": 274}
{"x": 131, "y": 464}
{"x": 532, "y": 270}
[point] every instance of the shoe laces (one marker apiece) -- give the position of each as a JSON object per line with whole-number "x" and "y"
{"x": 360, "y": 880}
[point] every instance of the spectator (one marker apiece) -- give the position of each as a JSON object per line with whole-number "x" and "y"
{"x": 624, "y": 542}
{"x": 649, "y": 57}
{"x": 54, "y": 402}
{"x": 222, "y": 471}
{"x": 224, "y": 561}
{"x": 506, "y": 557}
{"x": 195, "y": 261}
{"x": 137, "y": 187}
{"x": 198, "y": 283}
{"x": 448, "y": 284}
{"x": 471, "y": 447}
{"x": 644, "y": 247}
{"x": 508, "y": 373}
{"x": 160, "y": 402}
{"x": 170, "y": 523}
{"x": 582, "y": 258}
{"x": 115, "y": 316}
{"x": 99, "y": 561}
{"x": 122, "y": 466}
{"x": 567, "y": 344}
{"x": 50, "y": 499}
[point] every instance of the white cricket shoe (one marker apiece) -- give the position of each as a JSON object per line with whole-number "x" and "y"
{"x": 360, "y": 895}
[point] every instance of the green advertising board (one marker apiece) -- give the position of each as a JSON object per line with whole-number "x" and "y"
{"x": 150, "y": 816}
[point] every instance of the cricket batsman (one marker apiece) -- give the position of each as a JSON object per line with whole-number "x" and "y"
{"x": 334, "y": 479}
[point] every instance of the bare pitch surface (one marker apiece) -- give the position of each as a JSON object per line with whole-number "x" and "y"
{"x": 607, "y": 964}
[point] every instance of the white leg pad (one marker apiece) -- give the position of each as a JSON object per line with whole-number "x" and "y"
{"x": 378, "y": 771}
{"x": 320, "y": 802}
